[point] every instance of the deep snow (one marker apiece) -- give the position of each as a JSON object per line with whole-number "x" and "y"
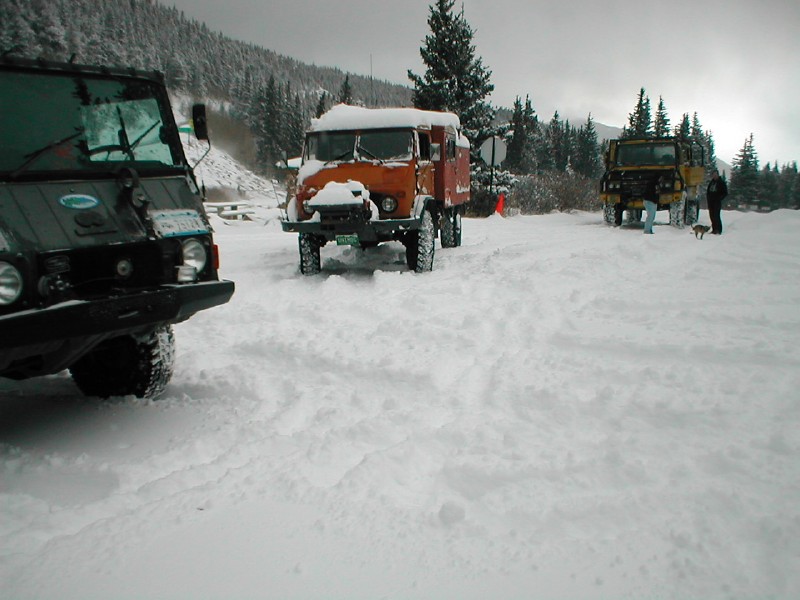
{"x": 559, "y": 410}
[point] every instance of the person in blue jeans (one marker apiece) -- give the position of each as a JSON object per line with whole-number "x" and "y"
{"x": 650, "y": 204}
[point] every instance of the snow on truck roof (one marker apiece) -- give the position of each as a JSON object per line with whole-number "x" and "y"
{"x": 343, "y": 117}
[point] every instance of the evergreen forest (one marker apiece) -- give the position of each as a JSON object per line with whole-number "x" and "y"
{"x": 262, "y": 102}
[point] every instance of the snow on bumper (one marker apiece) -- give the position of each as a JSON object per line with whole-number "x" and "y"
{"x": 329, "y": 223}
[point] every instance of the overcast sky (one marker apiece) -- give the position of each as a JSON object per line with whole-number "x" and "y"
{"x": 735, "y": 62}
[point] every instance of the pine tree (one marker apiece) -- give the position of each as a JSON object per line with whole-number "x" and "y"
{"x": 267, "y": 126}
{"x": 661, "y": 122}
{"x": 516, "y": 139}
{"x": 789, "y": 186}
{"x": 684, "y": 130}
{"x": 768, "y": 198}
{"x": 524, "y": 126}
{"x": 639, "y": 124}
{"x": 346, "y": 92}
{"x": 587, "y": 152}
{"x": 321, "y": 105}
{"x": 455, "y": 79}
{"x": 557, "y": 142}
{"x": 697, "y": 129}
{"x": 530, "y": 121}
{"x": 711, "y": 155}
{"x": 744, "y": 188}
{"x": 295, "y": 128}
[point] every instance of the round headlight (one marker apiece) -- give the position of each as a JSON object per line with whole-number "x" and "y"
{"x": 194, "y": 254}
{"x": 124, "y": 268}
{"x": 10, "y": 284}
{"x": 388, "y": 204}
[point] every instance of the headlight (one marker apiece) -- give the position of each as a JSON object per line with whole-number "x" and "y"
{"x": 388, "y": 204}
{"x": 194, "y": 254}
{"x": 10, "y": 284}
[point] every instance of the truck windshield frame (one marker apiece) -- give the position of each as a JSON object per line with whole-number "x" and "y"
{"x": 54, "y": 122}
{"x": 373, "y": 144}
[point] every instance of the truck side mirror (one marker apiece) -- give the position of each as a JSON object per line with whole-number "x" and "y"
{"x": 436, "y": 152}
{"x": 199, "y": 121}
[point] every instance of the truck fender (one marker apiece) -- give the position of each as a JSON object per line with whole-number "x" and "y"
{"x": 421, "y": 202}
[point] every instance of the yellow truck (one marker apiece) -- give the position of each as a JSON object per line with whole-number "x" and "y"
{"x": 674, "y": 167}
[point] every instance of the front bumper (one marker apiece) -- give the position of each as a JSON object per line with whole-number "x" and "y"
{"x": 369, "y": 231}
{"x": 46, "y": 340}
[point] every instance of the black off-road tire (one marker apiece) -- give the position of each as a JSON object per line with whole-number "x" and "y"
{"x": 128, "y": 365}
{"x": 450, "y": 233}
{"x": 692, "y": 212}
{"x": 676, "y": 213}
{"x": 309, "y": 254}
{"x": 609, "y": 213}
{"x": 420, "y": 245}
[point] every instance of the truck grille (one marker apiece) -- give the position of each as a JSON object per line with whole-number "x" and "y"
{"x": 90, "y": 272}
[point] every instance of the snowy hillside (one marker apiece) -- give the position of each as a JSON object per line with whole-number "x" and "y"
{"x": 559, "y": 410}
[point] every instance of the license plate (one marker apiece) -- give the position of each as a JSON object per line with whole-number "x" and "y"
{"x": 174, "y": 223}
{"x": 347, "y": 240}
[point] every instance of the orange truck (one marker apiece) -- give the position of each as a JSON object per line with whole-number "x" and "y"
{"x": 376, "y": 175}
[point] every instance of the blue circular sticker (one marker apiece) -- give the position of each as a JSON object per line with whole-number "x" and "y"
{"x": 79, "y": 201}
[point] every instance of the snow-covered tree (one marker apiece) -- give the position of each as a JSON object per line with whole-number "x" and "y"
{"x": 321, "y": 105}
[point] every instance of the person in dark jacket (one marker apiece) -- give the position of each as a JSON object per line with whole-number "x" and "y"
{"x": 715, "y": 194}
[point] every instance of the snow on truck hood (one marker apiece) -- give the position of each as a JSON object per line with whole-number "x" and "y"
{"x": 340, "y": 194}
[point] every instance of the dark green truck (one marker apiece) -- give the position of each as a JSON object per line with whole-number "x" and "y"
{"x": 104, "y": 242}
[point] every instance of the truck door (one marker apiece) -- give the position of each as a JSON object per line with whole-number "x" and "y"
{"x": 425, "y": 168}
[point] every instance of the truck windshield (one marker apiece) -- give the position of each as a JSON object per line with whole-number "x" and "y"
{"x": 80, "y": 122}
{"x": 386, "y": 145}
{"x": 645, "y": 154}
{"x": 330, "y": 146}
{"x": 382, "y": 145}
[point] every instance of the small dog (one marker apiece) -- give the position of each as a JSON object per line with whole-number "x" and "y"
{"x": 700, "y": 230}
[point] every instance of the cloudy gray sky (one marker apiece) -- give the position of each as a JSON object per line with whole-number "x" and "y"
{"x": 735, "y": 62}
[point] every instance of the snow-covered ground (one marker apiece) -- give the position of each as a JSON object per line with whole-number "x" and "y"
{"x": 559, "y": 410}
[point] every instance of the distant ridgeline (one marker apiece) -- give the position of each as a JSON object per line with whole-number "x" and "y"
{"x": 274, "y": 95}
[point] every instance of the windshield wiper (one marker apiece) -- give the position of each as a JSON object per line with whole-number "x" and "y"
{"x": 141, "y": 137}
{"x": 30, "y": 158}
{"x": 361, "y": 149}
{"x": 122, "y": 134}
{"x": 340, "y": 157}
